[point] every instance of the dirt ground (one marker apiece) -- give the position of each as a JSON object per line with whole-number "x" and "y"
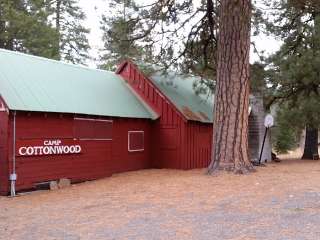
{"x": 280, "y": 201}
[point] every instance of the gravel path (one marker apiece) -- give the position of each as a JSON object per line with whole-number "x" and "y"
{"x": 280, "y": 201}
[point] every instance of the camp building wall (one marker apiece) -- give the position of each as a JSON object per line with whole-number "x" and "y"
{"x": 176, "y": 142}
{"x": 4, "y": 167}
{"x": 167, "y": 130}
{"x": 198, "y": 142}
{"x": 104, "y": 143}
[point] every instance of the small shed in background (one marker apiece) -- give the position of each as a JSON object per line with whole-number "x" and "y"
{"x": 257, "y": 130}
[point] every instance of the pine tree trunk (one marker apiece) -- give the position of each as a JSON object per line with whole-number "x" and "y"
{"x": 58, "y": 27}
{"x": 2, "y": 28}
{"x": 311, "y": 144}
{"x": 3, "y": 43}
{"x": 231, "y": 111}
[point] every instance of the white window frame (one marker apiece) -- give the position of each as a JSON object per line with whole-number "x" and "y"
{"x": 135, "y": 150}
{"x": 94, "y": 120}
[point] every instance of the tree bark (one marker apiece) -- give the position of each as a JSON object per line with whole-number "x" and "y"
{"x": 231, "y": 111}
{"x": 58, "y": 27}
{"x": 3, "y": 43}
{"x": 311, "y": 144}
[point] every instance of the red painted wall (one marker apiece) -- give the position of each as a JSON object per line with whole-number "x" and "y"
{"x": 169, "y": 142}
{"x": 176, "y": 142}
{"x": 4, "y": 167}
{"x": 99, "y": 158}
{"x": 167, "y": 130}
{"x": 197, "y": 145}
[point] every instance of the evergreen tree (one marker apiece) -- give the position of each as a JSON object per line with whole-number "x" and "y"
{"x": 119, "y": 26}
{"x": 285, "y": 137}
{"x": 295, "y": 74}
{"x": 24, "y": 27}
{"x": 231, "y": 110}
{"x": 173, "y": 33}
{"x": 71, "y": 35}
{"x": 178, "y": 34}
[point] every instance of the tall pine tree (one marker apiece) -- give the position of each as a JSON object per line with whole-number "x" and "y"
{"x": 175, "y": 33}
{"x": 119, "y": 27}
{"x": 295, "y": 73}
{"x": 24, "y": 27}
{"x": 231, "y": 110}
{"x": 71, "y": 34}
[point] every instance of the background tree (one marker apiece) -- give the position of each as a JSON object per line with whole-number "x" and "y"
{"x": 230, "y": 140}
{"x": 294, "y": 72}
{"x": 24, "y": 27}
{"x": 119, "y": 26}
{"x": 258, "y": 79}
{"x": 177, "y": 34}
{"x": 71, "y": 35}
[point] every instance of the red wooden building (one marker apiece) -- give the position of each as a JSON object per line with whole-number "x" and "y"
{"x": 182, "y": 134}
{"x": 63, "y": 121}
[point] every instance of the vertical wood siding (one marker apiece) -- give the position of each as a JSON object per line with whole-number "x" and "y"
{"x": 4, "y": 167}
{"x": 176, "y": 143}
{"x": 167, "y": 149}
{"x": 197, "y": 141}
{"x": 99, "y": 158}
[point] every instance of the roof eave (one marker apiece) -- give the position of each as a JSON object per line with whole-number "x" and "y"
{"x": 154, "y": 114}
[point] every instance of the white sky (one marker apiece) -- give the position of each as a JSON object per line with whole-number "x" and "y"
{"x": 95, "y": 8}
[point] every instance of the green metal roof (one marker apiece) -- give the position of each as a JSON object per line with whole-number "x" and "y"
{"x": 180, "y": 90}
{"x": 30, "y": 83}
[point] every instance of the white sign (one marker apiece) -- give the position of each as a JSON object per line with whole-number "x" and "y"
{"x": 268, "y": 121}
{"x": 48, "y": 147}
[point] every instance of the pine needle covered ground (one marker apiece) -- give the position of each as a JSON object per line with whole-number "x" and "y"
{"x": 280, "y": 201}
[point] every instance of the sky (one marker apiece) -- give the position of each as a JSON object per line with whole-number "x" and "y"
{"x": 95, "y": 8}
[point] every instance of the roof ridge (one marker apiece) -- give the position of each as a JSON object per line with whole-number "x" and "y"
{"x": 54, "y": 61}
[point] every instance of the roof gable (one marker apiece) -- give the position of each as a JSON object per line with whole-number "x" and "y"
{"x": 180, "y": 90}
{"x": 31, "y": 83}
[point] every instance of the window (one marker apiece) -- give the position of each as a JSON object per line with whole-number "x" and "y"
{"x": 92, "y": 129}
{"x": 135, "y": 141}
